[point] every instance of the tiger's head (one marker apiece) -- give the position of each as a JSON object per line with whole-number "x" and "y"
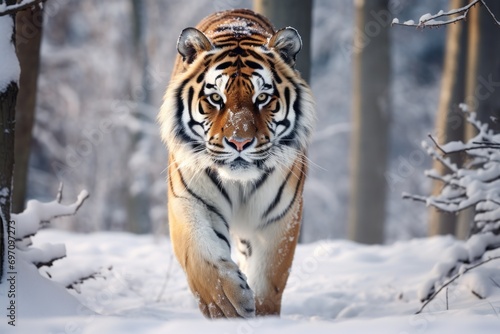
{"x": 236, "y": 104}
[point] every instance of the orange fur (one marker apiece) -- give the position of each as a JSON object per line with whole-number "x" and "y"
{"x": 211, "y": 202}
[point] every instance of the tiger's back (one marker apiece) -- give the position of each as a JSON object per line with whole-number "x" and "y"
{"x": 236, "y": 119}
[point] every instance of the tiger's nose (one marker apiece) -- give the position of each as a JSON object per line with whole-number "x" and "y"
{"x": 239, "y": 143}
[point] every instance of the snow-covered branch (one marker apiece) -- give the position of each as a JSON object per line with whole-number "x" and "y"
{"x": 453, "y": 279}
{"x": 476, "y": 184}
{"x": 29, "y": 221}
{"x": 443, "y": 18}
{"x": 12, "y": 9}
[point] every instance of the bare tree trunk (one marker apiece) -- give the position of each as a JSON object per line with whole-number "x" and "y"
{"x": 450, "y": 120}
{"x": 8, "y": 95}
{"x": 370, "y": 119}
{"x": 139, "y": 220}
{"x": 483, "y": 67}
{"x": 296, "y": 14}
{"x": 28, "y": 37}
{"x": 483, "y": 81}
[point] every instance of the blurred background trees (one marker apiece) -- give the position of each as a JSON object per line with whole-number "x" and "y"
{"x": 105, "y": 65}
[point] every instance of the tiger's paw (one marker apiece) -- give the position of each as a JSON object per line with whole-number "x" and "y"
{"x": 227, "y": 295}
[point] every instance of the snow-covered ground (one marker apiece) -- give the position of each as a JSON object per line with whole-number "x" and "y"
{"x": 335, "y": 286}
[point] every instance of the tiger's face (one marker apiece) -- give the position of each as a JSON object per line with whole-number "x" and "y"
{"x": 241, "y": 110}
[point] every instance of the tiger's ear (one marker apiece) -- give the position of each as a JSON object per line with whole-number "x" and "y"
{"x": 191, "y": 42}
{"x": 288, "y": 43}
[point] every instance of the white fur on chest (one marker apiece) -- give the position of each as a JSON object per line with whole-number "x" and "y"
{"x": 248, "y": 207}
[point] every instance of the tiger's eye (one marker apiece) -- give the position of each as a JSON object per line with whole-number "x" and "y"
{"x": 262, "y": 97}
{"x": 216, "y": 97}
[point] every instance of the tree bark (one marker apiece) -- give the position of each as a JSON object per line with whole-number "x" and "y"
{"x": 483, "y": 82}
{"x": 296, "y": 14}
{"x": 450, "y": 120}
{"x": 370, "y": 120}
{"x": 29, "y": 24}
{"x": 139, "y": 220}
{"x": 483, "y": 67}
{"x": 8, "y": 97}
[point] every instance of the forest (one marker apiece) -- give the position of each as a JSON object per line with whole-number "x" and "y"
{"x": 401, "y": 216}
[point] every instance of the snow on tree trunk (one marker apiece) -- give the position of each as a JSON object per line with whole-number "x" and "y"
{"x": 9, "y": 76}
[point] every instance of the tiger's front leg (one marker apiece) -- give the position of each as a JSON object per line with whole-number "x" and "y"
{"x": 201, "y": 245}
{"x": 266, "y": 258}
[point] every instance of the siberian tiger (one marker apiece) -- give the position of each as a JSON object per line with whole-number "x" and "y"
{"x": 236, "y": 119}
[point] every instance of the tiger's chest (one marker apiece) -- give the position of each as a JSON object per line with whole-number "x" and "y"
{"x": 247, "y": 206}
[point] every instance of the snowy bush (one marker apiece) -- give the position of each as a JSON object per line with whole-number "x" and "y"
{"x": 474, "y": 185}
{"x": 31, "y": 220}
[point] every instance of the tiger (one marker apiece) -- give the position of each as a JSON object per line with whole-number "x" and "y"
{"x": 236, "y": 120}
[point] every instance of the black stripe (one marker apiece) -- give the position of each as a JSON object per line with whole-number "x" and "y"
{"x": 261, "y": 181}
{"x": 248, "y": 245}
{"x": 275, "y": 75}
{"x": 221, "y": 56}
{"x": 201, "y": 76}
{"x": 281, "y": 215}
{"x": 192, "y": 123}
{"x": 222, "y": 237}
{"x": 277, "y": 198}
{"x": 287, "y": 101}
{"x": 218, "y": 183}
{"x": 171, "y": 184}
{"x": 253, "y": 65}
{"x": 255, "y": 55}
{"x": 179, "y": 129}
{"x": 289, "y": 140}
{"x": 208, "y": 206}
{"x": 224, "y": 65}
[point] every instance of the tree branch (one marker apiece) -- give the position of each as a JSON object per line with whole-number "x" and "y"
{"x": 428, "y": 20}
{"x": 454, "y": 278}
{"x": 12, "y": 9}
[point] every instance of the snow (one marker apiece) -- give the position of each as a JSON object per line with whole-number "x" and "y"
{"x": 4, "y": 6}
{"x": 28, "y": 221}
{"x": 9, "y": 65}
{"x": 334, "y": 286}
{"x": 425, "y": 17}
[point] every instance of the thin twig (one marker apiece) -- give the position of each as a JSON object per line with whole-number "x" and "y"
{"x": 451, "y": 166}
{"x": 454, "y": 278}
{"x": 436, "y": 144}
{"x": 79, "y": 202}
{"x": 464, "y": 11}
{"x": 477, "y": 294}
{"x": 167, "y": 279}
{"x": 491, "y": 13}
{"x": 48, "y": 263}
{"x": 416, "y": 198}
{"x": 495, "y": 282}
{"x": 59, "y": 193}
{"x": 447, "y": 299}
